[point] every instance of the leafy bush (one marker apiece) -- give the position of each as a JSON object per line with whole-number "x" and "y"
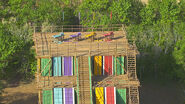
{"x": 16, "y": 57}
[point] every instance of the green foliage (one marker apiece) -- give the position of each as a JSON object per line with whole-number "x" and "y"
{"x": 120, "y": 11}
{"x": 182, "y": 10}
{"x": 22, "y": 9}
{"x": 37, "y": 12}
{"x": 180, "y": 60}
{"x": 94, "y": 12}
{"x": 16, "y": 57}
{"x": 134, "y": 10}
{"x": 97, "y": 12}
{"x": 16, "y": 53}
{"x": 179, "y": 53}
{"x": 69, "y": 17}
{"x": 159, "y": 33}
{"x": 8, "y": 45}
{"x": 47, "y": 9}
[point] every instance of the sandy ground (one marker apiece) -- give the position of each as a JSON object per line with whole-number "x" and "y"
{"x": 150, "y": 93}
{"x": 19, "y": 94}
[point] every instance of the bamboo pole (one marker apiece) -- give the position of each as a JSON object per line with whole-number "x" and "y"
{"x": 39, "y": 97}
{"x": 49, "y": 74}
{"x": 77, "y": 83}
{"x": 89, "y": 58}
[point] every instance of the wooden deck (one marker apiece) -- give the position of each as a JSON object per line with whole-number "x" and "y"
{"x": 46, "y": 47}
{"x": 51, "y": 82}
{"x": 120, "y": 81}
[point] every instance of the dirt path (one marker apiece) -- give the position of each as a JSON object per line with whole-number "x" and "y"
{"x": 150, "y": 93}
{"x": 19, "y": 94}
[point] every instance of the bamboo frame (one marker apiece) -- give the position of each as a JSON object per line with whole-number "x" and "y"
{"x": 108, "y": 48}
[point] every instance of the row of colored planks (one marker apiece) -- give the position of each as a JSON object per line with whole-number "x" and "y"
{"x": 107, "y": 95}
{"x": 59, "y": 96}
{"x": 110, "y": 95}
{"x": 64, "y": 66}
{"x": 108, "y": 65}
{"x": 58, "y": 66}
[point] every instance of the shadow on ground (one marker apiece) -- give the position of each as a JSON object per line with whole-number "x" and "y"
{"x": 155, "y": 92}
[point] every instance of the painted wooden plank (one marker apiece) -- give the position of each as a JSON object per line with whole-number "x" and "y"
{"x": 103, "y": 64}
{"x": 108, "y": 65}
{"x": 69, "y": 97}
{"x": 47, "y": 97}
{"x": 122, "y": 65}
{"x": 98, "y": 65}
{"x": 58, "y": 96}
{"x": 119, "y": 65}
{"x": 110, "y": 96}
{"x": 121, "y": 96}
{"x": 68, "y": 66}
{"x": 74, "y": 65}
{"x": 90, "y": 81}
{"x": 92, "y": 65}
{"x": 38, "y": 64}
{"x": 57, "y": 66}
{"x": 47, "y": 70}
{"x": 99, "y": 92}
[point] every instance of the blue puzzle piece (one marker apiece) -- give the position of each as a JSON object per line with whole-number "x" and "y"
{"x": 59, "y": 35}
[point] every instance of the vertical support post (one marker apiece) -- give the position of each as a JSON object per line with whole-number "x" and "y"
{"x": 34, "y": 30}
{"x": 115, "y": 65}
{"x": 90, "y": 81}
{"x": 116, "y": 57}
{"x": 82, "y": 28}
{"x": 135, "y": 66}
{"x": 49, "y": 72}
{"x": 130, "y": 100}
{"x": 128, "y": 71}
{"x": 75, "y": 61}
{"x": 51, "y": 29}
{"x": 50, "y": 49}
{"x": 39, "y": 97}
{"x": 77, "y": 82}
{"x": 112, "y": 27}
{"x": 38, "y": 70}
{"x": 90, "y": 46}
{"x": 52, "y": 97}
{"x": 122, "y": 27}
{"x": 68, "y": 49}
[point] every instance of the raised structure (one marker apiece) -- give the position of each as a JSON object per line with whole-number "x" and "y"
{"x": 84, "y": 71}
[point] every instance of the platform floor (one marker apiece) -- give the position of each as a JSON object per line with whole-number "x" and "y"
{"x": 46, "y": 47}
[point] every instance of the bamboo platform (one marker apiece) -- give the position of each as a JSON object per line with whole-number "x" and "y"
{"x": 52, "y": 82}
{"x": 119, "y": 81}
{"x": 83, "y": 81}
{"x": 45, "y": 46}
